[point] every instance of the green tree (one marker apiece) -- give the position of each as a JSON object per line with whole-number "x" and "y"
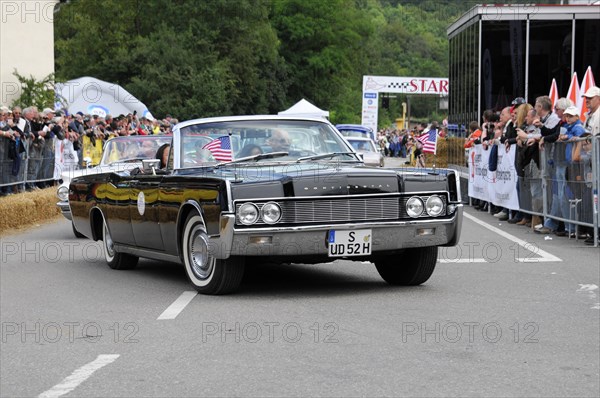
{"x": 321, "y": 42}
{"x": 183, "y": 57}
{"x": 217, "y": 57}
{"x": 39, "y": 93}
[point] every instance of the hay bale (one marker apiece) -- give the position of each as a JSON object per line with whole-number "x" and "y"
{"x": 27, "y": 209}
{"x": 449, "y": 151}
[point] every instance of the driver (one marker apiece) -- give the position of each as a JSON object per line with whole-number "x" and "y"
{"x": 280, "y": 141}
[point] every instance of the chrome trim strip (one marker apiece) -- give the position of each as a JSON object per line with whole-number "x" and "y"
{"x": 346, "y": 196}
{"x": 176, "y": 148}
{"x": 229, "y": 196}
{"x": 458, "y": 191}
{"x": 322, "y": 227}
{"x": 146, "y": 253}
{"x": 65, "y": 210}
{"x": 220, "y": 246}
{"x": 458, "y": 229}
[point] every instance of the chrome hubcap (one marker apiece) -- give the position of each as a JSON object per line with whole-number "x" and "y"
{"x": 108, "y": 242}
{"x": 201, "y": 262}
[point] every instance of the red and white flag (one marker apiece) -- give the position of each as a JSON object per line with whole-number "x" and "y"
{"x": 573, "y": 93}
{"x": 429, "y": 141}
{"x": 553, "y": 93}
{"x": 220, "y": 148}
{"x": 586, "y": 84}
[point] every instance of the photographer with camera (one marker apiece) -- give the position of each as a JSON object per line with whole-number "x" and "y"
{"x": 92, "y": 142}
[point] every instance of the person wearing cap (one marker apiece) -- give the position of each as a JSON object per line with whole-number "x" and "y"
{"x": 48, "y": 113}
{"x": 592, "y": 101}
{"x": 562, "y": 159}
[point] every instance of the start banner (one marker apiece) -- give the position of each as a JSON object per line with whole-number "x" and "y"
{"x": 498, "y": 187}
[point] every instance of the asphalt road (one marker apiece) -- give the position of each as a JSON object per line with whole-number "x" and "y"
{"x": 506, "y": 313}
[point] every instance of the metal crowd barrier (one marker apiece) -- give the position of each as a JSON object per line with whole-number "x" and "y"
{"x": 570, "y": 188}
{"x": 36, "y": 164}
{"x": 563, "y": 189}
{"x": 560, "y": 188}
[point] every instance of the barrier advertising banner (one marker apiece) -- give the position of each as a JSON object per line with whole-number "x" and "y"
{"x": 498, "y": 187}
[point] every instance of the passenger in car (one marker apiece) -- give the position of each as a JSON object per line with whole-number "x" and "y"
{"x": 163, "y": 155}
{"x": 249, "y": 150}
{"x": 280, "y": 141}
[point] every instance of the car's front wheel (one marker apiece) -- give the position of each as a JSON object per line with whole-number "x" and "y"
{"x": 208, "y": 274}
{"x": 114, "y": 259}
{"x": 412, "y": 267}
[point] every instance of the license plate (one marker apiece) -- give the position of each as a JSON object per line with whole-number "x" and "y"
{"x": 350, "y": 243}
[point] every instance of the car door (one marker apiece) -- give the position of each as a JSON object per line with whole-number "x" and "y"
{"x": 144, "y": 211}
{"x": 116, "y": 202}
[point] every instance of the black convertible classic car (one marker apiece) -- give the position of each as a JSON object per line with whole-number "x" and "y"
{"x": 247, "y": 188}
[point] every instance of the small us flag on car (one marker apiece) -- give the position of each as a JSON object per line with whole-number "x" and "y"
{"x": 220, "y": 148}
{"x": 429, "y": 141}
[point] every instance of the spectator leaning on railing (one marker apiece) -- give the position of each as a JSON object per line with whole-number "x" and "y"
{"x": 582, "y": 171}
{"x": 592, "y": 101}
{"x": 35, "y": 148}
{"x": 529, "y": 135}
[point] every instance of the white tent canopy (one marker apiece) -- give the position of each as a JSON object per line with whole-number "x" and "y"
{"x": 96, "y": 97}
{"x": 305, "y": 108}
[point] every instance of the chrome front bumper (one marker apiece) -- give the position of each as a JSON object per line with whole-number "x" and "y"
{"x": 312, "y": 240}
{"x": 65, "y": 209}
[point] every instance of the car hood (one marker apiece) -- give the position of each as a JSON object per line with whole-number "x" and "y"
{"x": 323, "y": 179}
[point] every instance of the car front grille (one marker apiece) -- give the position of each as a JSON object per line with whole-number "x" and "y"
{"x": 336, "y": 210}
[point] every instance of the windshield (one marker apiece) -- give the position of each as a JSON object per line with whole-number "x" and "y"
{"x": 124, "y": 149}
{"x": 231, "y": 140}
{"x": 362, "y": 145}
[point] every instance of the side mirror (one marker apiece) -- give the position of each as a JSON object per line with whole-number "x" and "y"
{"x": 361, "y": 156}
{"x": 150, "y": 165}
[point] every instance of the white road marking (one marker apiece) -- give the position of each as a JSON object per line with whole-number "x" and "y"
{"x": 78, "y": 376}
{"x": 462, "y": 260}
{"x": 544, "y": 255}
{"x": 178, "y": 305}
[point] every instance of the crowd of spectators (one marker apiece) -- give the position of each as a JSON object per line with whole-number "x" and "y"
{"x": 29, "y": 138}
{"x": 566, "y": 143}
{"x": 404, "y": 143}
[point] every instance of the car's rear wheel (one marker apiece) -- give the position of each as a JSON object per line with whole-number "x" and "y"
{"x": 114, "y": 259}
{"x": 208, "y": 274}
{"x": 412, "y": 267}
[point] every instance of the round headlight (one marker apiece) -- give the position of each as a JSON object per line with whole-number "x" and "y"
{"x": 414, "y": 207}
{"x": 63, "y": 193}
{"x": 434, "y": 206}
{"x": 248, "y": 213}
{"x": 270, "y": 213}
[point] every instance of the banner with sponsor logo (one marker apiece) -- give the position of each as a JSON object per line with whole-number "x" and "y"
{"x": 498, "y": 187}
{"x": 478, "y": 173}
{"x": 373, "y": 85}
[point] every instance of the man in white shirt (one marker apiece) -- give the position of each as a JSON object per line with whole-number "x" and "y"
{"x": 592, "y": 101}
